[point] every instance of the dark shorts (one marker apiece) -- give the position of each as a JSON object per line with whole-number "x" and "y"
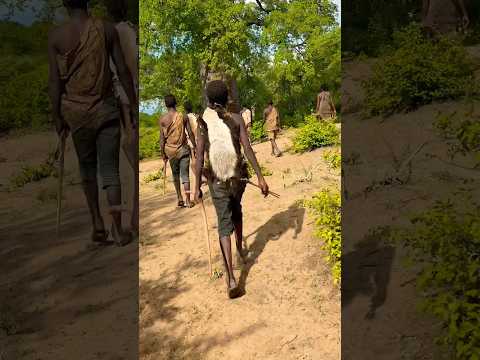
{"x": 227, "y": 199}
{"x": 180, "y": 168}
{"x": 99, "y": 149}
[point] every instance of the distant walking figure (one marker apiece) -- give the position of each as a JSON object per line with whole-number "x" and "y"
{"x": 272, "y": 126}
{"x": 325, "y": 107}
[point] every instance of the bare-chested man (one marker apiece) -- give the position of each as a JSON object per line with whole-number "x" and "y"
{"x": 271, "y": 117}
{"x": 174, "y": 128}
{"x": 325, "y": 106}
{"x": 444, "y": 16}
{"x": 81, "y": 92}
{"x": 221, "y": 135}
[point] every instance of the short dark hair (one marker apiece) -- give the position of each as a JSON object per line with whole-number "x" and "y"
{"x": 118, "y": 9}
{"x": 270, "y": 102}
{"x": 76, "y": 4}
{"x": 188, "y": 106}
{"x": 217, "y": 92}
{"x": 170, "y": 101}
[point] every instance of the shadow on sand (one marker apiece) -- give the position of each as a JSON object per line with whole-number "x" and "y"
{"x": 273, "y": 229}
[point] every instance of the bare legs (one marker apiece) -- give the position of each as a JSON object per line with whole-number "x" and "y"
{"x": 275, "y": 150}
{"x": 90, "y": 189}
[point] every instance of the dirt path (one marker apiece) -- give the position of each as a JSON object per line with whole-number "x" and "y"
{"x": 59, "y": 300}
{"x": 290, "y": 310}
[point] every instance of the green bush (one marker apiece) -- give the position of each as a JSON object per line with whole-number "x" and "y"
{"x": 417, "y": 71}
{"x": 157, "y": 175}
{"x": 30, "y": 174}
{"x": 258, "y": 132}
{"x": 461, "y": 132}
{"x": 149, "y": 144}
{"x": 325, "y": 206}
{"x": 445, "y": 243}
{"x": 333, "y": 158}
{"x": 315, "y": 134}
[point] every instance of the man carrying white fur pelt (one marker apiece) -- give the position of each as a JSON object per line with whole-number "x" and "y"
{"x": 221, "y": 135}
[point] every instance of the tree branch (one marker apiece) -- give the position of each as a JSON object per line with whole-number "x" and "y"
{"x": 259, "y": 3}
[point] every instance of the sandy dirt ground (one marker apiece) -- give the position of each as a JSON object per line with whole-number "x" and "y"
{"x": 59, "y": 300}
{"x": 380, "y": 317}
{"x": 290, "y": 309}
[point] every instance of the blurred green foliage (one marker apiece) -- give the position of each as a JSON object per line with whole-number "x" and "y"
{"x": 416, "y": 71}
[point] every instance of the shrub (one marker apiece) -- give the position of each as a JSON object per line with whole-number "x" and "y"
{"x": 445, "y": 243}
{"x": 325, "y": 206}
{"x": 333, "y": 158}
{"x": 157, "y": 175}
{"x": 417, "y": 71}
{"x": 462, "y": 134}
{"x": 315, "y": 134}
{"x": 149, "y": 145}
{"x": 258, "y": 132}
{"x": 30, "y": 174}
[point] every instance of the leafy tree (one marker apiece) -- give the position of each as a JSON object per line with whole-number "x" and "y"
{"x": 280, "y": 50}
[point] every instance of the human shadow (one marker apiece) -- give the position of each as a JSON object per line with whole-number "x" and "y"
{"x": 273, "y": 229}
{"x": 367, "y": 270}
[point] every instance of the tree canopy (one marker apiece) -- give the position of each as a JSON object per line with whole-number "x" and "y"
{"x": 279, "y": 50}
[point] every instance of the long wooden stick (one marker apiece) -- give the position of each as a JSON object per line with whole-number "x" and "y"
{"x": 270, "y": 192}
{"x": 164, "y": 177}
{"x": 61, "y": 159}
{"x": 207, "y": 237}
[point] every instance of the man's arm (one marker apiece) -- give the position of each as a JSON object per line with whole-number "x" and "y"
{"x": 186, "y": 121}
{"x": 55, "y": 84}
{"x": 332, "y": 105}
{"x": 122, "y": 70}
{"x": 162, "y": 141}
{"x": 201, "y": 138}
{"x": 247, "y": 149}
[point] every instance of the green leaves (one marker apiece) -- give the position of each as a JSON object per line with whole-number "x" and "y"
{"x": 283, "y": 51}
{"x": 325, "y": 206}
{"x": 315, "y": 134}
{"x": 444, "y": 241}
{"x": 417, "y": 71}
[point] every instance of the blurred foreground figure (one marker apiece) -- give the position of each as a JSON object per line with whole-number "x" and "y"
{"x": 83, "y": 103}
{"x": 128, "y": 41}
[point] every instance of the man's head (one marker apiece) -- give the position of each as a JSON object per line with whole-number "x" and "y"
{"x": 170, "y": 101}
{"x": 217, "y": 92}
{"x": 270, "y": 103}
{"x": 188, "y": 106}
{"x": 76, "y": 4}
{"x": 117, "y": 9}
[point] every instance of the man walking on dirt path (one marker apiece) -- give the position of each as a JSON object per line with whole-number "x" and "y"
{"x": 444, "y": 16}
{"x": 271, "y": 118}
{"x": 192, "y": 119}
{"x": 325, "y": 106}
{"x": 174, "y": 127}
{"x": 221, "y": 135}
{"x": 128, "y": 41}
{"x": 247, "y": 119}
{"x": 81, "y": 92}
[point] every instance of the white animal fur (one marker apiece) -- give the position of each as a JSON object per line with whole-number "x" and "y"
{"x": 223, "y": 157}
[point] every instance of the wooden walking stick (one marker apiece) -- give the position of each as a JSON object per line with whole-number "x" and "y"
{"x": 253, "y": 184}
{"x": 164, "y": 177}
{"x": 60, "y": 155}
{"x": 207, "y": 237}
